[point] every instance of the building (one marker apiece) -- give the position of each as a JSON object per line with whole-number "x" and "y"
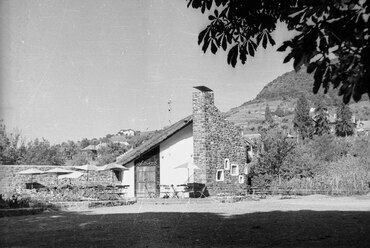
{"x": 119, "y": 140}
{"x": 127, "y": 132}
{"x": 363, "y": 128}
{"x": 205, "y": 139}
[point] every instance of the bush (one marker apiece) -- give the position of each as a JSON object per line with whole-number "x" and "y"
{"x": 326, "y": 164}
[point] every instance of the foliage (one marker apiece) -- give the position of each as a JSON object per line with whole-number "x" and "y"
{"x": 323, "y": 29}
{"x": 69, "y": 149}
{"x": 328, "y": 148}
{"x": 361, "y": 148}
{"x": 321, "y": 120}
{"x": 78, "y": 159}
{"x": 275, "y": 149}
{"x": 42, "y": 153}
{"x": 11, "y": 146}
{"x": 344, "y": 126}
{"x": 279, "y": 111}
{"x": 109, "y": 153}
{"x": 325, "y": 164}
{"x": 268, "y": 115}
{"x": 302, "y": 120}
{"x": 299, "y": 163}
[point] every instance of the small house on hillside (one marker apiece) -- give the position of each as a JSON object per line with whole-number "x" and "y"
{"x": 205, "y": 139}
{"x": 119, "y": 140}
{"x": 363, "y": 128}
{"x": 127, "y": 132}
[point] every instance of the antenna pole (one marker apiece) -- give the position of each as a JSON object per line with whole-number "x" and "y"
{"x": 170, "y": 110}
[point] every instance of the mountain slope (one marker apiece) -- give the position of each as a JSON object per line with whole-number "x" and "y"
{"x": 284, "y": 92}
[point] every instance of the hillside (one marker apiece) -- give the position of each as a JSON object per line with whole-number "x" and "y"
{"x": 284, "y": 92}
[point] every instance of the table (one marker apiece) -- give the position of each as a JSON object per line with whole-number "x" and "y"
{"x": 194, "y": 189}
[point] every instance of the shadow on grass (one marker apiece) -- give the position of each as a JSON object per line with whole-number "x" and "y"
{"x": 190, "y": 229}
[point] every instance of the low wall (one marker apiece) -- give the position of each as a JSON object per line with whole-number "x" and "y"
{"x": 10, "y": 180}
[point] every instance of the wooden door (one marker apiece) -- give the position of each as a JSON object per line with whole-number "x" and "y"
{"x": 145, "y": 181}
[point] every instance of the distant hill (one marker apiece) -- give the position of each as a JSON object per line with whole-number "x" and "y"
{"x": 292, "y": 84}
{"x": 284, "y": 92}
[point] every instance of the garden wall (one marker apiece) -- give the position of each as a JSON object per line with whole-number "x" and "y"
{"x": 10, "y": 180}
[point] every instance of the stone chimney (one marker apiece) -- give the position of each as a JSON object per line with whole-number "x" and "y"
{"x": 203, "y": 103}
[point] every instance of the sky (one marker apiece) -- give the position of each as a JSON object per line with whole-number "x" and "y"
{"x": 74, "y": 69}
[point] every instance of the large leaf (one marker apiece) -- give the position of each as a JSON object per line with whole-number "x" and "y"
{"x": 233, "y": 55}
{"x": 213, "y": 47}
{"x": 271, "y": 40}
{"x": 264, "y": 41}
{"x": 201, "y": 35}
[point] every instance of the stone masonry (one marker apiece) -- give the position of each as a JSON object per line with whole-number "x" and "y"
{"x": 216, "y": 139}
{"x": 10, "y": 180}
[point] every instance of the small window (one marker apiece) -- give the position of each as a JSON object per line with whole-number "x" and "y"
{"x": 219, "y": 175}
{"x": 246, "y": 170}
{"x": 241, "y": 178}
{"x": 234, "y": 170}
{"x": 226, "y": 164}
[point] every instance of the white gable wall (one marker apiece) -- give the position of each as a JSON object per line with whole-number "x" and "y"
{"x": 129, "y": 179}
{"x": 176, "y": 150}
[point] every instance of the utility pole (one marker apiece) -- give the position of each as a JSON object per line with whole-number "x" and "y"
{"x": 170, "y": 110}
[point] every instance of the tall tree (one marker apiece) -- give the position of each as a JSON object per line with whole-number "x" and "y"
{"x": 324, "y": 29}
{"x": 274, "y": 151}
{"x": 344, "y": 126}
{"x": 268, "y": 115}
{"x": 302, "y": 121}
{"x": 279, "y": 111}
{"x": 11, "y": 145}
{"x": 321, "y": 120}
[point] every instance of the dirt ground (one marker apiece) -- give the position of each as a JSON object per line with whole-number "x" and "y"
{"x": 311, "y": 221}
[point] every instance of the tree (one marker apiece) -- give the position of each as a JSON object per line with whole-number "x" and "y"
{"x": 109, "y": 153}
{"x": 302, "y": 120}
{"x": 40, "y": 152}
{"x": 268, "y": 115}
{"x": 321, "y": 120}
{"x": 324, "y": 30}
{"x": 11, "y": 146}
{"x": 279, "y": 111}
{"x": 344, "y": 126}
{"x": 276, "y": 148}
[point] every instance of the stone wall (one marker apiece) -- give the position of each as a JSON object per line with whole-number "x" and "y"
{"x": 11, "y": 181}
{"x": 216, "y": 139}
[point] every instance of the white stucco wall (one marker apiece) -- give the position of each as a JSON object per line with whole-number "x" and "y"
{"x": 129, "y": 179}
{"x": 175, "y": 151}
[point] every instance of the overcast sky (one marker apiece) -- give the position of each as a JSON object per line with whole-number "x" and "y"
{"x": 73, "y": 69}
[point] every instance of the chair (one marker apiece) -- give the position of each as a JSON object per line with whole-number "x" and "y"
{"x": 203, "y": 193}
{"x": 150, "y": 193}
{"x": 175, "y": 192}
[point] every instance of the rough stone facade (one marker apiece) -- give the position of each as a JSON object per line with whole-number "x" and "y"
{"x": 216, "y": 139}
{"x": 11, "y": 181}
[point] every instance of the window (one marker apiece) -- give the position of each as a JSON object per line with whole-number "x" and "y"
{"x": 226, "y": 164}
{"x": 220, "y": 175}
{"x": 241, "y": 178}
{"x": 234, "y": 170}
{"x": 249, "y": 154}
{"x": 246, "y": 169}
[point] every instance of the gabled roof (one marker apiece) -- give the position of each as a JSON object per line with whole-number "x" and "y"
{"x": 89, "y": 148}
{"x": 154, "y": 141}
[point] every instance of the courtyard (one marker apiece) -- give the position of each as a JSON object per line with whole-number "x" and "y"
{"x": 310, "y": 221}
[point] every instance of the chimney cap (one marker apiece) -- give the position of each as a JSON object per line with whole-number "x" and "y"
{"x": 202, "y": 88}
